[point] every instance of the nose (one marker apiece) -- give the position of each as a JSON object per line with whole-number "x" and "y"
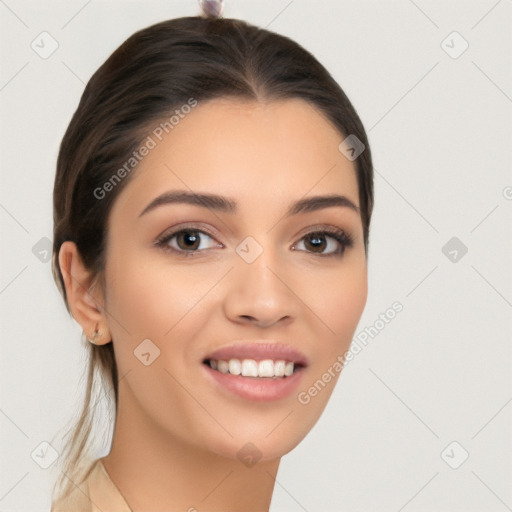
{"x": 260, "y": 293}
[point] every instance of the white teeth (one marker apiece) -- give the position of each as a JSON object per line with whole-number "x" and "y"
{"x": 222, "y": 366}
{"x": 249, "y": 368}
{"x": 266, "y": 368}
{"x": 253, "y": 368}
{"x": 279, "y": 368}
{"x": 235, "y": 368}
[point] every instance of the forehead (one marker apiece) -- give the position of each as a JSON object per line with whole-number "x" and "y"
{"x": 250, "y": 150}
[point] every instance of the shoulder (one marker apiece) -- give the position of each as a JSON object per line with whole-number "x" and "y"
{"x": 97, "y": 493}
{"x": 77, "y": 498}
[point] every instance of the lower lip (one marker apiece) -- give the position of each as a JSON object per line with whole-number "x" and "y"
{"x": 262, "y": 389}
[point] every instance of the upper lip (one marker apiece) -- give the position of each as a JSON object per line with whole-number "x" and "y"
{"x": 259, "y": 350}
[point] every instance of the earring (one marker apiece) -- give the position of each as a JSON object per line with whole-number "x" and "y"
{"x": 95, "y": 336}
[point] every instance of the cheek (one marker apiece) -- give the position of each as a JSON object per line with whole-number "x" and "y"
{"x": 148, "y": 298}
{"x": 351, "y": 302}
{"x": 152, "y": 298}
{"x": 337, "y": 300}
{"x": 154, "y": 301}
{"x": 338, "y": 304}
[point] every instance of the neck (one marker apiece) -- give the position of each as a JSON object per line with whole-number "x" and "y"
{"x": 155, "y": 470}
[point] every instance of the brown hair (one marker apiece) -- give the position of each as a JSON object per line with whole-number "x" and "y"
{"x": 155, "y": 71}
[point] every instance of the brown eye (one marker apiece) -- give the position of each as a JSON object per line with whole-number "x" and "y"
{"x": 186, "y": 241}
{"x": 326, "y": 242}
{"x": 315, "y": 242}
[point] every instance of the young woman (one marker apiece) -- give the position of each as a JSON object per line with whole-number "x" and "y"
{"x": 212, "y": 205}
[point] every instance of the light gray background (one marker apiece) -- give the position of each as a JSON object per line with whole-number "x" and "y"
{"x": 440, "y": 133}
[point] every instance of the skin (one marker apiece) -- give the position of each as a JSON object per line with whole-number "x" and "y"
{"x": 176, "y": 437}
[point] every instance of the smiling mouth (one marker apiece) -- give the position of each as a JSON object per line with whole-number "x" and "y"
{"x": 255, "y": 369}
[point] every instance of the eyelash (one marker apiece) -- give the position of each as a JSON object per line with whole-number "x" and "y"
{"x": 344, "y": 239}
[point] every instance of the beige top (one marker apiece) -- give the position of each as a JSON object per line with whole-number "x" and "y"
{"x": 97, "y": 493}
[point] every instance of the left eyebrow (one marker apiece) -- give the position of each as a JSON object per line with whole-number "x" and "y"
{"x": 310, "y": 204}
{"x": 228, "y": 205}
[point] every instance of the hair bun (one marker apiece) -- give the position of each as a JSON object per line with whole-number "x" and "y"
{"x": 211, "y": 8}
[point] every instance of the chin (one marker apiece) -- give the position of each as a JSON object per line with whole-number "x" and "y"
{"x": 262, "y": 443}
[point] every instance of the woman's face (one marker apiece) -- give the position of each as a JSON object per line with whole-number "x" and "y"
{"x": 247, "y": 275}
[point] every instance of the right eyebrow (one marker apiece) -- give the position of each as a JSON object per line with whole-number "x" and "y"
{"x": 211, "y": 201}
